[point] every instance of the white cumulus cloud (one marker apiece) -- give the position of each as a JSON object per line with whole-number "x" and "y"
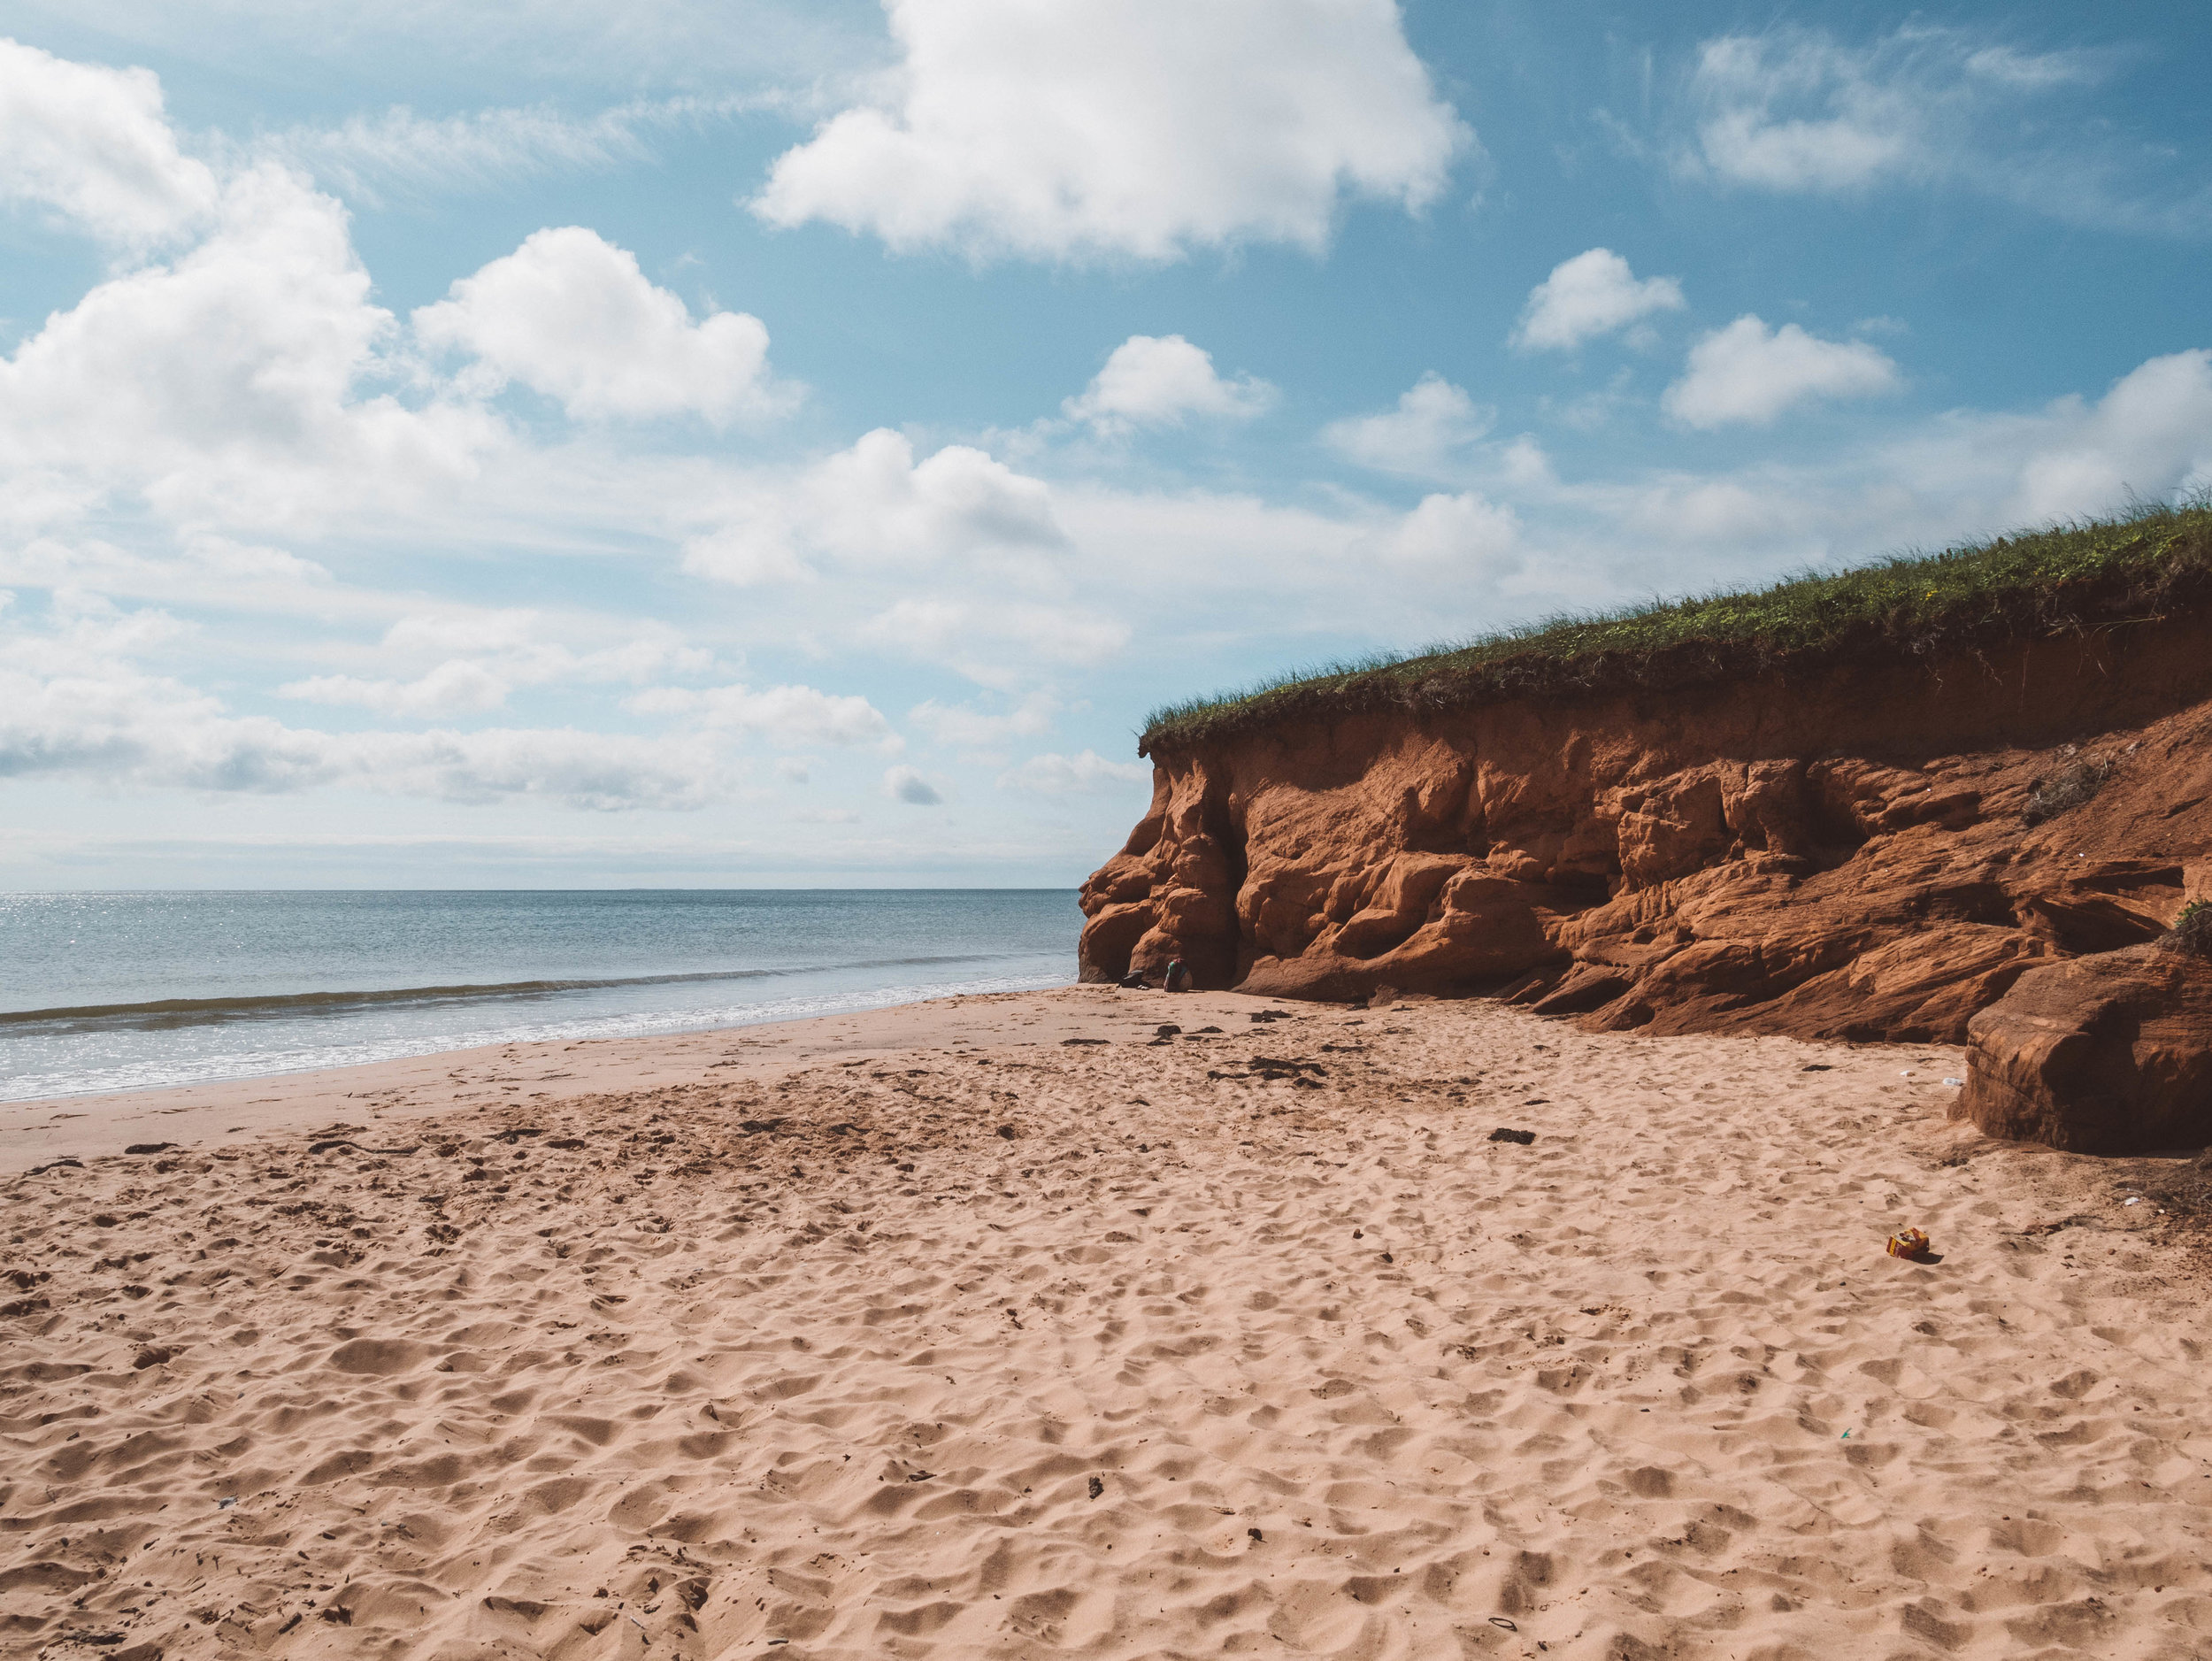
{"x": 1429, "y": 433}
{"x": 1134, "y": 127}
{"x": 1156, "y": 381}
{"x": 232, "y": 383}
{"x": 1748, "y": 374}
{"x": 1964, "y": 474}
{"x": 2150, "y": 434}
{"x": 93, "y": 144}
{"x": 570, "y": 315}
{"x": 875, "y": 507}
{"x": 1592, "y": 294}
{"x": 1466, "y": 530}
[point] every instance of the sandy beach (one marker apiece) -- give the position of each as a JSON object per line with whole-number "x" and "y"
{"x": 1004, "y": 1326}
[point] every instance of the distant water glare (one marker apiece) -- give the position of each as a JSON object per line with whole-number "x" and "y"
{"x": 103, "y": 992}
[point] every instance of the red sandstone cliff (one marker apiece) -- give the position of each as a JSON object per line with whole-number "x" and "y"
{"x": 1844, "y": 853}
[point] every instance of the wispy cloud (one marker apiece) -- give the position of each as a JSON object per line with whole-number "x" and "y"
{"x": 1087, "y": 773}
{"x": 370, "y": 158}
{"x": 1800, "y": 112}
{"x": 693, "y": 45}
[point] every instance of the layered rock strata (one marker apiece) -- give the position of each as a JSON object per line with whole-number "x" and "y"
{"x": 1869, "y": 851}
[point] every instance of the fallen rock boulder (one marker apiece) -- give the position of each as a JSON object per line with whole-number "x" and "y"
{"x": 2108, "y": 1054}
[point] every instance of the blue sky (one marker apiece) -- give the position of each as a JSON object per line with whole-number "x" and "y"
{"x": 696, "y": 442}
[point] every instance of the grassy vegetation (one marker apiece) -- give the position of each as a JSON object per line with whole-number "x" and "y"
{"x": 2072, "y": 786}
{"x": 2192, "y": 930}
{"x": 2085, "y": 574}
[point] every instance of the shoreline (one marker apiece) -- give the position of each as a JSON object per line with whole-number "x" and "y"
{"x": 40, "y": 1128}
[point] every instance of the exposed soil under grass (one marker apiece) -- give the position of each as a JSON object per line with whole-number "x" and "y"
{"x": 2102, "y": 573}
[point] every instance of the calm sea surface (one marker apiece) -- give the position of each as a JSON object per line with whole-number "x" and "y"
{"x": 126, "y": 991}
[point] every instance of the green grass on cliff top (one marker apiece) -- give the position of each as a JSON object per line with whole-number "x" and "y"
{"x": 2100, "y": 573}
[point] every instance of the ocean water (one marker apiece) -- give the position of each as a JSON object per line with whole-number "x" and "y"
{"x": 130, "y": 991}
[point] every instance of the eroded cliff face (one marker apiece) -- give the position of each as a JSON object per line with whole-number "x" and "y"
{"x": 1848, "y": 855}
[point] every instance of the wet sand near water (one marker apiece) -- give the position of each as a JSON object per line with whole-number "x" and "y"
{"x": 950, "y": 1337}
{"x": 204, "y": 1116}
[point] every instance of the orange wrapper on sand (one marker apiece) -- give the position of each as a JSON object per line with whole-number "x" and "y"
{"x": 1911, "y": 1244}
